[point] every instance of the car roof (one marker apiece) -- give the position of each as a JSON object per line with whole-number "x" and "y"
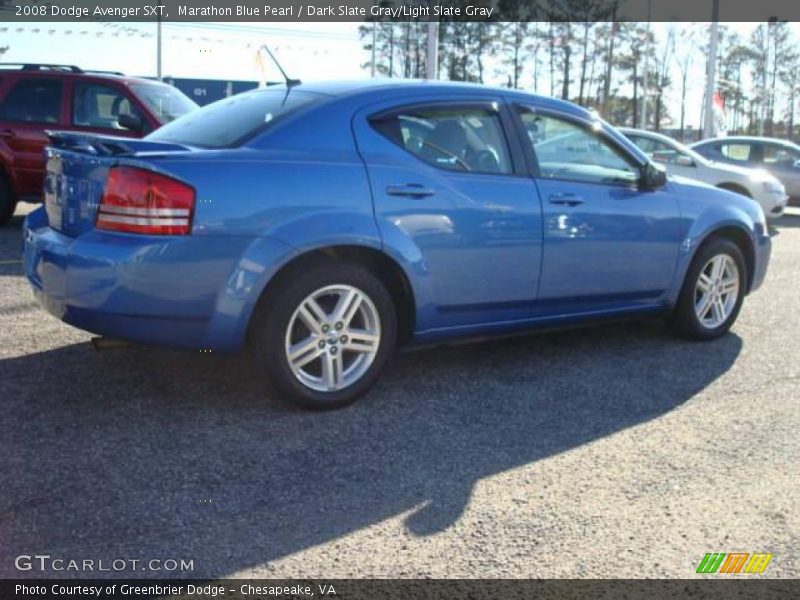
{"x": 644, "y": 133}
{"x": 749, "y": 139}
{"x": 81, "y": 74}
{"x": 378, "y": 87}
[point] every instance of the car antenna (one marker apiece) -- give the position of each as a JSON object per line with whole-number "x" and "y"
{"x": 289, "y": 81}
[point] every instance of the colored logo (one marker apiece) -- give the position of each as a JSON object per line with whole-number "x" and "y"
{"x": 734, "y": 562}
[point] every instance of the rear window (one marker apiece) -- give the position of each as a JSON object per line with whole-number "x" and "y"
{"x": 232, "y": 121}
{"x": 33, "y": 101}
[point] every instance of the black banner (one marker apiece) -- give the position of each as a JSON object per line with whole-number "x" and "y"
{"x": 715, "y": 587}
{"x": 395, "y": 10}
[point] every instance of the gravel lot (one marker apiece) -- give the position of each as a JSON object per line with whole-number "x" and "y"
{"x": 611, "y": 452}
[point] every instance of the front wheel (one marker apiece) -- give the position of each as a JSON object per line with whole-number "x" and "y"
{"x": 712, "y": 292}
{"x": 325, "y": 334}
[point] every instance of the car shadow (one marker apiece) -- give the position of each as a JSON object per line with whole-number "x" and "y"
{"x": 143, "y": 453}
{"x": 789, "y": 220}
{"x": 11, "y": 246}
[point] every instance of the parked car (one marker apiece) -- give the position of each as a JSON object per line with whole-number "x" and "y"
{"x": 324, "y": 225}
{"x": 36, "y": 97}
{"x": 681, "y": 160}
{"x": 779, "y": 157}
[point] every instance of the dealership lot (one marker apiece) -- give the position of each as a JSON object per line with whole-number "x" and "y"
{"x": 619, "y": 451}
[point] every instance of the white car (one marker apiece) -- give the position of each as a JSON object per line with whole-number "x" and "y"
{"x": 681, "y": 160}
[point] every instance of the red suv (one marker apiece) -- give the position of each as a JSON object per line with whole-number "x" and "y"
{"x": 35, "y": 98}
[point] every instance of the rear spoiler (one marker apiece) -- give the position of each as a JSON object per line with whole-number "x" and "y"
{"x": 108, "y": 145}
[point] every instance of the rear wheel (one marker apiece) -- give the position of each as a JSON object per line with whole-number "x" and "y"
{"x": 7, "y": 201}
{"x": 712, "y": 292}
{"x": 323, "y": 337}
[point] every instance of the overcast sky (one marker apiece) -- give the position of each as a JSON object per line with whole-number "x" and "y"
{"x": 309, "y": 51}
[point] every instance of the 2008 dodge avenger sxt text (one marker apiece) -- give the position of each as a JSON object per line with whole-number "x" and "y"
{"x": 323, "y": 225}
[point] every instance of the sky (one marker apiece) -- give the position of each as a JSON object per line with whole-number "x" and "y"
{"x": 308, "y": 51}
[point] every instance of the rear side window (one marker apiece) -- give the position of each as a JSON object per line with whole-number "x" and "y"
{"x": 33, "y": 101}
{"x": 233, "y": 121}
{"x": 456, "y": 139}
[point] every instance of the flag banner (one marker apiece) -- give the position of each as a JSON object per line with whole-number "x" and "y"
{"x": 393, "y": 10}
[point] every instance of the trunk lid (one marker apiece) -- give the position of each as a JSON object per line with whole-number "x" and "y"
{"x": 77, "y": 168}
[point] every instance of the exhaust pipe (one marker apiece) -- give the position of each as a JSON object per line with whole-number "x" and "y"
{"x": 104, "y": 343}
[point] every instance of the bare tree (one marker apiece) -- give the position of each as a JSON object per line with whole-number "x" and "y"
{"x": 661, "y": 79}
{"x": 790, "y": 77}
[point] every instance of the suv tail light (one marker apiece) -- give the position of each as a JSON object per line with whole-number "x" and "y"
{"x": 140, "y": 201}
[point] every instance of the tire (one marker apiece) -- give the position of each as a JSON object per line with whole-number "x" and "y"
{"x": 279, "y": 325}
{"x": 7, "y": 201}
{"x": 694, "y": 302}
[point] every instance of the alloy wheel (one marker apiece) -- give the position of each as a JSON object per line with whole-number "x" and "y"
{"x": 716, "y": 291}
{"x": 332, "y": 338}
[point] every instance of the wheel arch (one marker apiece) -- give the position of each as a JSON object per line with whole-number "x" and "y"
{"x": 388, "y": 270}
{"x": 737, "y": 188}
{"x": 740, "y": 237}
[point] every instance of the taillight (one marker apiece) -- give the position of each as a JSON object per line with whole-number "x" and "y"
{"x": 140, "y": 201}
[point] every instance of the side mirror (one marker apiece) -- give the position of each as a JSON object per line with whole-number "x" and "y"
{"x": 684, "y": 161}
{"x": 653, "y": 177}
{"x": 127, "y": 121}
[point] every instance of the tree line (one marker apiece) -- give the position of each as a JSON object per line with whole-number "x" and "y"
{"x": 609, "y": 65}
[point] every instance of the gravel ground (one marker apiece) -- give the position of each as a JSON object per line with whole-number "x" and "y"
{"x": 612, "y": 452}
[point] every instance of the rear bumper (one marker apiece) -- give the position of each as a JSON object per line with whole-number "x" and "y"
{"x": 173, "y": 291}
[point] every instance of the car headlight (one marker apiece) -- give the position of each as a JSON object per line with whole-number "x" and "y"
{"x": 773, "y": 187}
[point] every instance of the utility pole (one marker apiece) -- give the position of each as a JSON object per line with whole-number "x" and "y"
{"x": 711, "y": 72}
{"x": 158, "y": 43}
{"x": 432, "y": 57}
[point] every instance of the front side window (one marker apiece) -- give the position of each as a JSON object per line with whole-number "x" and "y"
{"x": 454, "y": 139}
{"x": 567, "y": 150}
{"x": 780, "y": 155}
{"x": 164, "y": 101}
{"x": 33, "y": 101}
{"x": 97, "y": 105}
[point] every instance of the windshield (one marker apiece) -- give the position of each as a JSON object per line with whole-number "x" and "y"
{"x": 231, "y": 121}
{"x": 664, "y": 149}
{"x": 164, "y": 101}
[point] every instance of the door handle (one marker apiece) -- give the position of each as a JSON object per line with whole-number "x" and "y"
{"x": 566, "y": 199}
{"x": 7, "y": 133}
{"x": 410, "y": 190}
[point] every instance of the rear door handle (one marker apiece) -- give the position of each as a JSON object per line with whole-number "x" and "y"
{"x": 566, "y": 199}
{"x": 7, "y": 133}
{"x": 410, "y": 190}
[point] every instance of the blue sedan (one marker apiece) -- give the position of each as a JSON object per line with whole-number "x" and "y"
{"x": 324, "y": 225}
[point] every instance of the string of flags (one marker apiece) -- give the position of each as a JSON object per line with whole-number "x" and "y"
{"x": 115, "y": 30}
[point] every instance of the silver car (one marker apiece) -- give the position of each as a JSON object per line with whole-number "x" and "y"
{"x": 779, "y": 157}
{"x": 681, "y": 160}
